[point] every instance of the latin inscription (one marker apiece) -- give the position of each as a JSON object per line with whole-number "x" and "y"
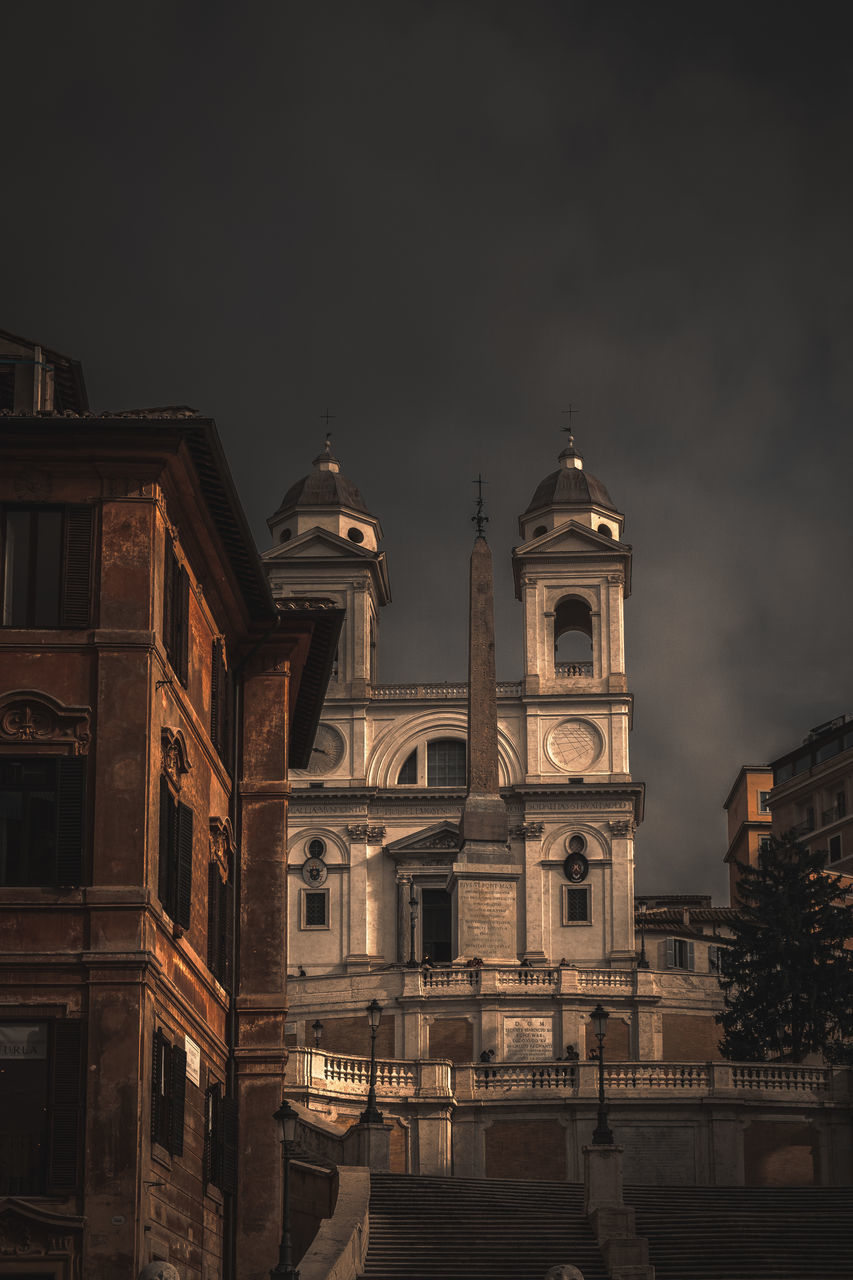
{"x": 487, "y": 915}
{"x": 528, "y": 1039}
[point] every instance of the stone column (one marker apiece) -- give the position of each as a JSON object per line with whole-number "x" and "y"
{"x": 534, "y": 891}
{"x": 358, "y": 957}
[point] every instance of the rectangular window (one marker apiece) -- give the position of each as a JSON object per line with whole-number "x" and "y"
{"x": 176, "y": 613}
{"x": 446, "y": 763}
{"x": 835, "y": 848}
{"x": 176, "y": 856}
{"x": 168, "y": 1094}
{"x": 315, "y": 909}
{"x": 42, "y": 820}
{"x": 764, "y": 802}
{"x": 47, "y": 565}
{"x": 576, "y": 907}
{"x": 713, "y": 959}
{"x": 679, "y": 954}
{"x": 220, "y": 1140}
{"x": 841, "y": 804}
{"x": 41, "y": 1102}
{"x": 220, "y": 925}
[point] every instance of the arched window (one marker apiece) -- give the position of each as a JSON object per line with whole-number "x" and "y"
{"x": 446, "y": 765}
{"x": 408, "y": 775}
{"x": 572, "y": 632}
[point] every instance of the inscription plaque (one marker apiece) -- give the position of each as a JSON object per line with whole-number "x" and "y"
{"x": 486, "y": 916}
{"x": 528, "y": 1039}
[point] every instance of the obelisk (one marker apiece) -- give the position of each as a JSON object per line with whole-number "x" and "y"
{"x": 485, "y": 874}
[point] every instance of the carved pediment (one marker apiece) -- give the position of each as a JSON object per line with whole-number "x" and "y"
{"x": 442, "y": 838}
{"x": 221, "y": 845}
{"x": 27, "y": 716}
{"x": 30, "y": 1232}
{"x": 176, "y": 760}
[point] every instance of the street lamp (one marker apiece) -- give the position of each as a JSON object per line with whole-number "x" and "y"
{"x": 602, "y": 1137}
{"x": 643, "y": 963}
{"x": 317, "y": 1028}
{"x": 288, "y": 1119}
{"x": 371, "y": 1113}
{"x": 413, "y": 917}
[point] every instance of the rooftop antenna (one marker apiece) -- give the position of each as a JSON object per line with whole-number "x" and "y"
{"x": 480, "y": 519}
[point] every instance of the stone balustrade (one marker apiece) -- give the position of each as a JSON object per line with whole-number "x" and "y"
{"x": 407, "y": 692}
{"x": 566, "y": 980}
{"x": 527, "y": 977}
{"x": 342, "y": 1077}
{"x": 574, "y": 669}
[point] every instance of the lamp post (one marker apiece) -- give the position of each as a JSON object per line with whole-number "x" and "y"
{"x": 413, "y": 918}
{"x": 371, "y": 1113}
{"x": 643, "y": 963}
{"x": 287, "y": 1118}
{"x": 602, "y": 1136}
{"x": 317, "y": 1028}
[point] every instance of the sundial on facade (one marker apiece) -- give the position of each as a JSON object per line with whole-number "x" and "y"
{"x": 328, "y": 750}
{"x": 574, "y": 745}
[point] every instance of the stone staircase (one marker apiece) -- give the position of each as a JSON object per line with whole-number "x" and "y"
{"x": 425, "y": 1228}
{"x": 746, "y": 1233}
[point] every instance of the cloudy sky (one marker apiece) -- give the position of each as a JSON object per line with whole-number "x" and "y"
{"x": 446, "y": 221}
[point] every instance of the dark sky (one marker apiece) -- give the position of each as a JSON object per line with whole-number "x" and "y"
{"x": 446, "y": 222}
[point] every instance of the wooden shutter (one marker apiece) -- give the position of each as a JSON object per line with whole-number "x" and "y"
{"x": 70, "y": 819}
{"x": 184, "y": 866}
{"x": 212, "y": 1145}
{"x": 159, "y": 1077}
{"x": 169, "y": 572}
{"x": 229, "y": 1146}
{"x": 690, "y": 958}
{"x": 227, "y": 926}
{"x": 165, "y": 871}
{"x": 670, "y": 953}
{"x": 76, "y": 605}
{"x": 178, "y": 1094}
{"x": 214, "y": 884}
{"x": 66, "y": 1105}
{"x": 181, "y": 660}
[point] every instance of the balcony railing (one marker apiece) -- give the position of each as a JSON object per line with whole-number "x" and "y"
{"x": 574, "y": 669}
{"x": 439, "y": 691}
{"x": 832, "y": 815}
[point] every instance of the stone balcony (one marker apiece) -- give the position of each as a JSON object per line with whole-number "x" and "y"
{"x": 493, "y": 980}
{"x": 342, "y": 1078}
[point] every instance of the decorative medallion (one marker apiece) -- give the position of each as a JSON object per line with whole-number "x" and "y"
{"x": 327, "y": 752}
{"x": 574, "y": 745}
{"x": 175, "y": 759}
{"x": 314, "y": 872}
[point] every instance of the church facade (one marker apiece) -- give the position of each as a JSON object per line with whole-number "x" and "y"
{"x": 374, "y": 823}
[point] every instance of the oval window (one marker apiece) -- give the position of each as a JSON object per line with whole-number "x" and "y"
{"x": 355, "y": 535}
{"x": 316, "y": 848}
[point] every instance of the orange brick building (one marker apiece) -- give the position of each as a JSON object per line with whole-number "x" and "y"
{"x": 152, "y": 697}
{"x": 747, "y": 809}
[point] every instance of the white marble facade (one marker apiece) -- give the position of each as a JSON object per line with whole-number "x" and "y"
{"x": 372, "y": 823}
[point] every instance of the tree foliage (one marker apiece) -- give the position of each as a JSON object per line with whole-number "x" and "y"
{"x": 787, "y": 975}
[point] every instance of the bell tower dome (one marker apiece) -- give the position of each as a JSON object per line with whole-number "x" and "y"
{"x": 327, "y": 543}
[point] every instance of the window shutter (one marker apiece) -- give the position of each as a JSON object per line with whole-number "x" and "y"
{"x": 212, "y": 1135}
{"x": 157, "y": 1088}
{"x": 690, "y": 960}
{"x": 713, "y": 959}
{"x": 670, "y": 953}
{"x": 66, "y": 1104}
{"x": 70, "y": 819}
{"x": 178, "y": 1101}
{"x": 215, "y": 692}
{"x": 229, "y": 1146}
{"x": 169, "y": 572}
{"x": 183, "y": 897}
{"x": 227, "y": 904}
{"x": 77, "y": 569}
{"x": 164, "y": 875}
{"x": 214, "y": 884}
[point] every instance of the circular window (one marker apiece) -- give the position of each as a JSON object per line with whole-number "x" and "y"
{"x": 606, "y": 530}
{"x": 285, "y": 535}
{"x": 355, "y": 535}
{"x": 577, "y": 844}
{"x": 539, "y": 530}
{"x": 316, "y": 848}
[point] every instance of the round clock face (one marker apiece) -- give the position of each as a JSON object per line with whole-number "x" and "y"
{"x": 314, "y": 871}
{"x": 327, "y": 752}
{"x": 574, "y": 745}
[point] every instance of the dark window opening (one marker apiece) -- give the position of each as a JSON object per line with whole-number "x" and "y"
{"x": 679, "y": 953}
{"x": 540, "y": 530}
{"x": 605, "y": 530}
{"x": 41, "y": 1099}
{"x": 220, "y": 702}
{"x": 168, "y": 1094}
{"x": 7, "y": 388}
{"x": 176, "y": 856}
{"x": 42, "y": 820}
{"x": 446, "y": 763}
{"x": 316, "y": 910}
{"x": 285, "y": 535}
{"x": 437, "y": 925}
{"x": 176, "y": 612}
{"x": 835, "y": 848}
{"x": 316, "y": 848}
{"x": 577, "y": 905}
{"x": 408, "y": 775}
{"x": 572, "y": 632}
{"x": 47, "y": 566}
{"x": 220, "y": 1140}
{"x": 355, "y": 535}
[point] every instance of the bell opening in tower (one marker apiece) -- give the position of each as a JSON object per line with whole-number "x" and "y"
{"x": 437, "y": 925}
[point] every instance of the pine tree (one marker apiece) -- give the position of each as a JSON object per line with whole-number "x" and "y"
{"x": 787, "y": 976}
